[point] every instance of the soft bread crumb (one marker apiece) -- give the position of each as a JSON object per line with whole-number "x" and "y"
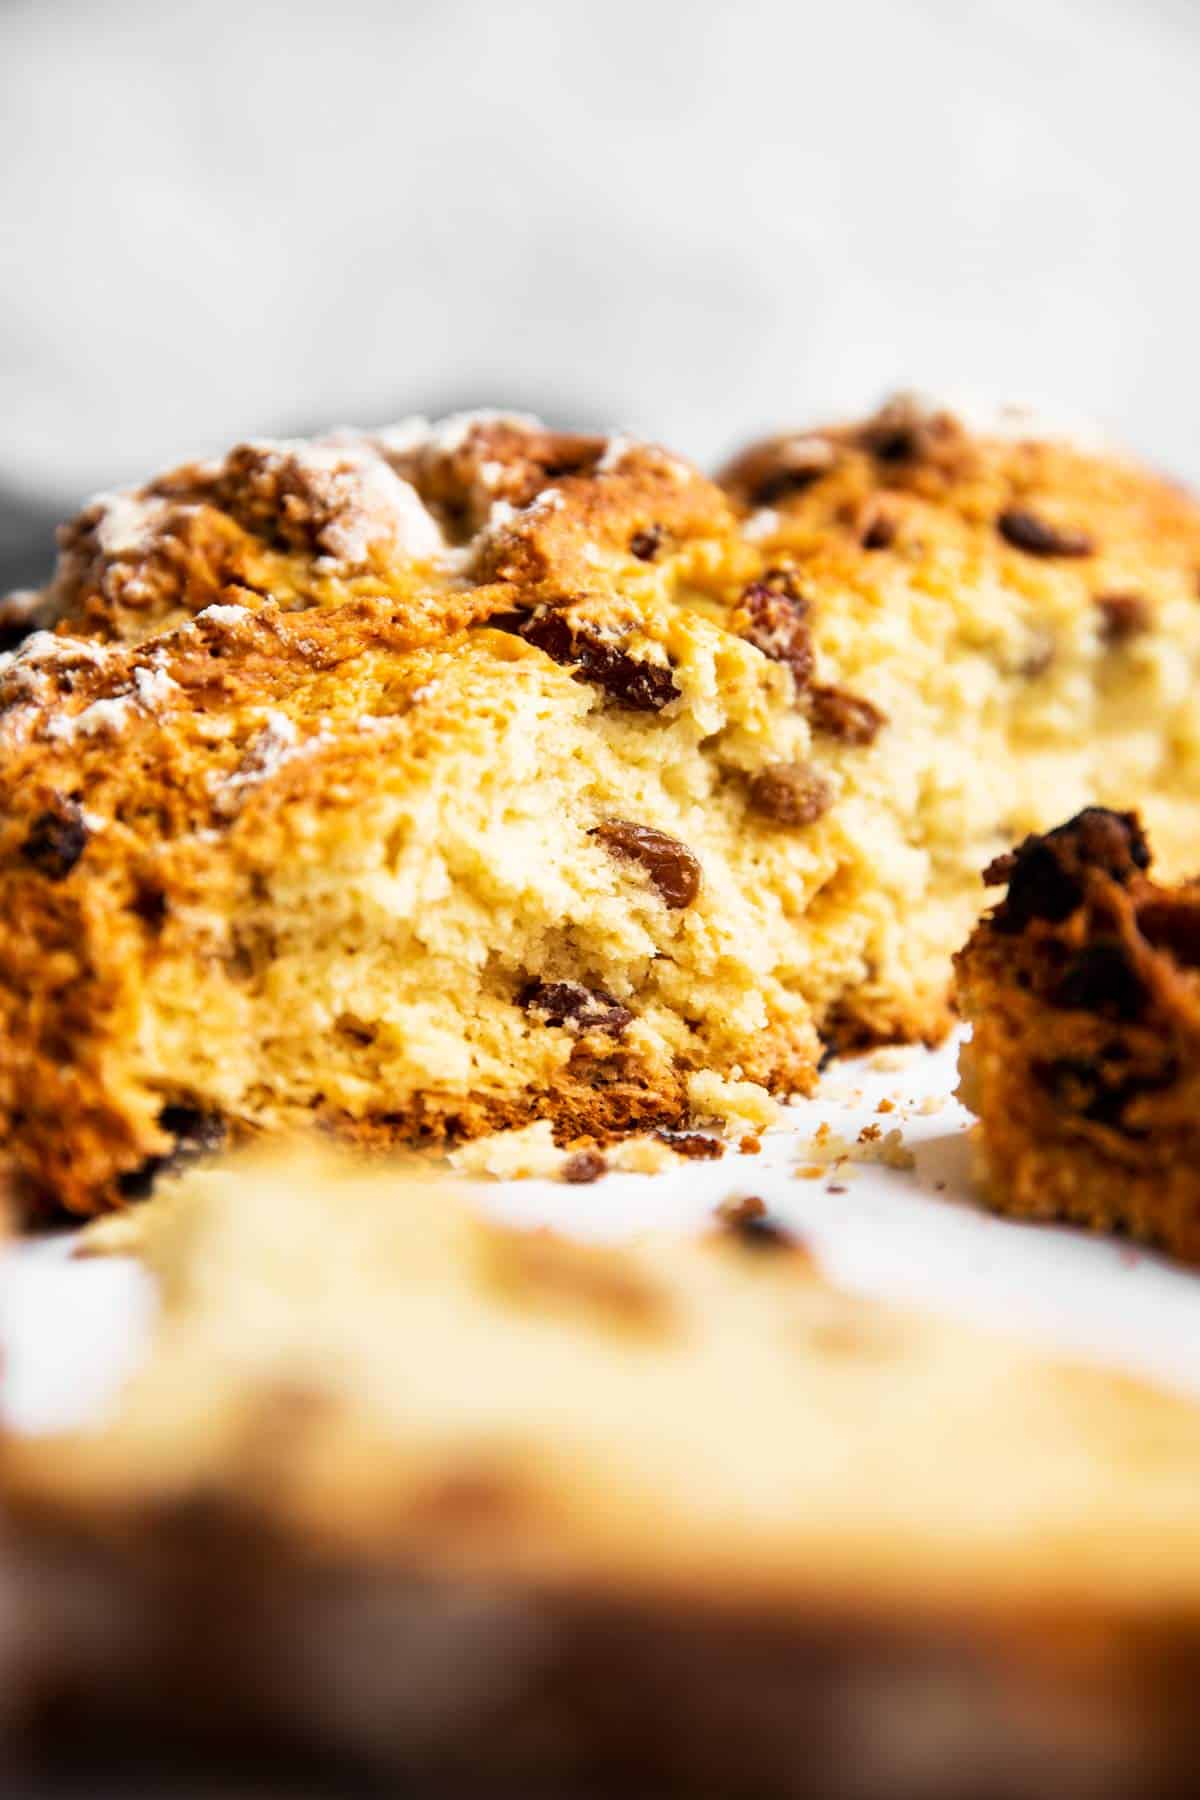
{"x": 894, "y": 1153}
{"x": 643, "y": 1156}
{"x": 738, "y": 1106}
{"x": 509, "y": 1155}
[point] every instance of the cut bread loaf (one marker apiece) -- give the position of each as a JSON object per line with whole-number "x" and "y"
{"x": 425, "y": 784}
{"x": 400, "y": 1485}
{"x": 1083, "y": 990}
{"x": 1024, "y": 611}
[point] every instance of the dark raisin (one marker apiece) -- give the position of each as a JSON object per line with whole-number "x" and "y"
{"x": 1095, "y": 1091}
{"x": 1171, "y": 923}
{"x": 1101, "y": 978}
{"x": 790, "y": 793}
{"x": 196, "y": 1134}
{"x": 747, "y": 1221}
{"x": 845, "y": 716}
{"x": 645, "y": 545}
{"x": 149, "y": 903}
{"x": 642, "y": 686}
{"x": 696, "y": 1146}
{"x": 795, "y": 464}
{"x": 905, "y": 430}
{"x": 571, "y": 1003}
{"x": 1046, "y": 875}
{"x": 1028, "y": 531}
{"x": 1122, "y": 616}
{"x": 584, "y": 1166}
{"x": 56, "y": 841}
{"x": 671, "y": 866}
{"x": 772, "y": 614}
{"x": 879, "y": 533}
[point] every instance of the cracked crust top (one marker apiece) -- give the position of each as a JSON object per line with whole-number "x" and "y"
{"x": 422, "y": 516}
{"x": 1046, "y": 514}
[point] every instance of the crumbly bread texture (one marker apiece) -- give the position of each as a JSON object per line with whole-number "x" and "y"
{"x": 1083, "y": 990}
{"x": 432, "y": 783}
{"x": 1024, "y": 612}
{"x": 399, "y": 1483}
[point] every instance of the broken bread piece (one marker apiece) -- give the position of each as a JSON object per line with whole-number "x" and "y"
{"x": 1000, "y": 626}
{"x": 423, "y": 784}
{"x": 407, "y": 1488}
{"x": 1082, "y": 988}
{"x": 317, "y": 853}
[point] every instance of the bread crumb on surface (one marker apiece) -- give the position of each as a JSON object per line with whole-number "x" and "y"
{"x": 507, "y": 1155}
{"x": 740, "y": 1106}
{"x": 643, "y": 1155}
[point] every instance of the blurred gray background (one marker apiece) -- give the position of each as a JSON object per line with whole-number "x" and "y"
{"x": 691, "y": 220}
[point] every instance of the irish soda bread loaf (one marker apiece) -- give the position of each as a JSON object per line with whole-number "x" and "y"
{"x": 443, "y": 780}
{"x": 1083, "y": 988}
{"x": 401, "y": 1485}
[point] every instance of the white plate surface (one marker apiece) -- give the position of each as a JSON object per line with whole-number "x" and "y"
{"x": 73, "y": 1328}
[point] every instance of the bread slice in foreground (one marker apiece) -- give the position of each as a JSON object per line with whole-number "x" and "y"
{"x": 419, "y": 1491}
{"x": 413, "y": 786}
{"x": 1083, "y": 990}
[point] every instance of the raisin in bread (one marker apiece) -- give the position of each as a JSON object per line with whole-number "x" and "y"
{"x": 403, "y": 1486}
{"x": 409, "y": 788}
{"x": 1013, "y": 619}
{"x": 420, "y": 785}
{"x": 1083, "y": 990}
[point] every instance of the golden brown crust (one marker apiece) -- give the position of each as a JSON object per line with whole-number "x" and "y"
{"x": 991, "y": 488}
{"x": 1083, "y": 991}
{"x": 222, "y": 643}
{"x": 912, "y": 524}
{"x": 419, "y": 516}
{"x": 846, "y": 701}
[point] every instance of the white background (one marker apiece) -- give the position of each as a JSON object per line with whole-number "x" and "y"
{"x": 691, "y": 219}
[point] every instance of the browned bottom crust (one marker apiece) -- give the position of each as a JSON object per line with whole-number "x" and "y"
{"x": 625, "y": 1102}
{"x": 1084, "y": 1065}
{"x": 220, "y": 1644}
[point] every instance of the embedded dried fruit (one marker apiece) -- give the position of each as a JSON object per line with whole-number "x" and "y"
{"x": 748, "y": 1222}
{"x": 1101, "y": 1089}
{"x": 56, "y": 841}
{"x": 572, "y": 1004}
{"x": 645, "y": 545}
{"x": 196, "y": 1134}
{"x": 1101, "y": 977}
{"x": 1122, "y": 616}
{"x": 845, "y": 716}
{"x": 584, "y": 1166}
{"x": 906, "y": 430}
{"x": 640, "y": 685}
{"x": 695, "y": 1146}
{"x": 879, "y": 532}
{"x": 772, "y": 614}
{"x": 671, "y": 866}
{"x": 793, "y": 465}
{"x": 1047, "y": 875}
{"x": 790, "y": 793}
{"x": 1028, "y": 531}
